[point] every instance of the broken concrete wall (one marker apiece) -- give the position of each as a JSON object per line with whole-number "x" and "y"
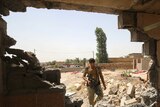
{"x": 38, "y": 98}
{"x": 52, "y": 75}
{"x": 158, "y": 67}
{"x": 145, "y": 63}
{"x": 21, "y": 86}
{"x": 2, "y": 33}
{"x": 150, "y": 49}
{"x": 1, "y": 73}
{"x": 3, "y": 28}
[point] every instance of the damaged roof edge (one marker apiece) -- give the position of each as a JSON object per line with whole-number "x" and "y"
{"x": 102, "y": 6}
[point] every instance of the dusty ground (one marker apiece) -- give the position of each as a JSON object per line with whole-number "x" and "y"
{"x": 73, "y": 80}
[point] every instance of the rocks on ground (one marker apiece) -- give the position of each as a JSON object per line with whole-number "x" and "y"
{"x": 126, "y": 94}
{"x": 120, "y": 92}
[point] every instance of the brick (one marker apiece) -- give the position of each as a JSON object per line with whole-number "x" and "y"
{"x": 53, "y": 76}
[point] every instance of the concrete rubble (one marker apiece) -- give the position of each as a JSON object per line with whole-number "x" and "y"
{"x": 123, "y": 94}
{"x": 120, "y": 92}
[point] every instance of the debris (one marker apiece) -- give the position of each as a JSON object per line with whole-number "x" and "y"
{"x": 120, "y": 92}
{"x": 149, "y": 96}
{"x": 131, "y": 101}
{"x": 113, "y": 89}
{"x": 122, "y": 89}
{"x": 78, "y": 86}
{"x": 70, "y": 93}
{"x": 131, "y": 90}
{"x": 123, "y": 101}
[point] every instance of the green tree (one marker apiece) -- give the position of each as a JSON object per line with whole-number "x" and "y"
{"x": 53, "y": 62}
{"x": 76, "y": 61}
{"x": 67, "y": 61}
{"x": 102, "y": 56}
{"x": 84, "y": 62}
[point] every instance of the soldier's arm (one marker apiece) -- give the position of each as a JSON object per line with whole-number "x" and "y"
{"x": 102, "y": 78}
{"x": 84, "y": 76}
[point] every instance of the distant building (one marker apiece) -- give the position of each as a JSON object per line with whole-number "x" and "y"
{"x": 64, "y": 65}
{"x": 132, "y": 61}
{"x": 135, "y": 55}
{"x": 139, "y": 61}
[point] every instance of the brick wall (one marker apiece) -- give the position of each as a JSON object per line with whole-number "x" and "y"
{"x": 111, "y": 66}
{"x": 42, "y": 98}
{"x": 115, "y": 60}
{"x": 118, "y": 63}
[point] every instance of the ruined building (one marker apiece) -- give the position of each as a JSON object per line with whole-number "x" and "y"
{"x": 140, "y": 17}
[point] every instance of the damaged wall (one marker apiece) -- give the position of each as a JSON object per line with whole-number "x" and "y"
{"x": 1, "y": 81}
{"x": 142, "y": 18}
{"x": 158, "y": 62}
{"x": 2, "y": 33}
{"x": 35, "y": 90}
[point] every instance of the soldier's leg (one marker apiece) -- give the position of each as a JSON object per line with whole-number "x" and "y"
{"x": 91, "y": 93}
{"x": 100, "y": 95}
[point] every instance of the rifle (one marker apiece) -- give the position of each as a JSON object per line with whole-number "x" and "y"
{"x": 94, "y": 84}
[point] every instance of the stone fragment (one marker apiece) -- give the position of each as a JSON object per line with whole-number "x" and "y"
{"x": 113, "y": 90}
{"x": 78, "y": 86}
{"x": 131, "y": 101}
{"x": 131, "y": 90}
{"x": 122, "y": 89}
{"x": 122, "y": 103}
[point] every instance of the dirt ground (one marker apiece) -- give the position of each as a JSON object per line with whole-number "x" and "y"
{"x": 75, "y": 84}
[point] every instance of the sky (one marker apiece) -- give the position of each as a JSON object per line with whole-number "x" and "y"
{"x": 65, "y": 34}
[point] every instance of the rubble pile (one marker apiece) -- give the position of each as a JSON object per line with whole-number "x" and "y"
{"x": 121, "y": 91}
{"x": 127, "y": 94}
{"x": 24, "y": 74}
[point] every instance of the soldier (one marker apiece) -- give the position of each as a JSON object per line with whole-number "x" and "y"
{"x": 92, "y": 76}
